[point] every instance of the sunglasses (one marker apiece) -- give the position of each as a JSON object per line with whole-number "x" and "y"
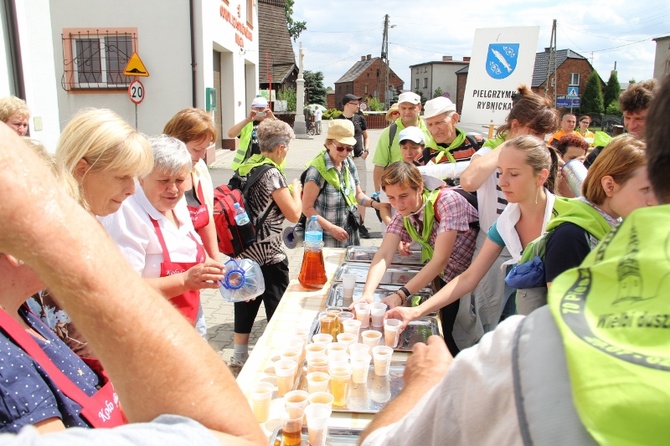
{"x": 343, "y": 148}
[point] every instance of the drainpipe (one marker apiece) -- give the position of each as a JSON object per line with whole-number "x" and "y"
{"x": 15, "y": 49}
{"x": 194, "y": 63}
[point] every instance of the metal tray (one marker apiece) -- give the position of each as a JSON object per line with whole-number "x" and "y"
{"x": 365, "y": 254}
{"x": 337, "y": 436}
{"x": 336, "y": 297}
{"x": 416, "y": 331}
{"x": 394, "y": 275}
{"x": 370, "y": 397}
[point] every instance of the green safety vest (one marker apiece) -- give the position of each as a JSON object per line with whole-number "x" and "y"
{"x": 332, "y": 178}
{"x": 614, "y": 319}
{"x": 429, "y": 197}
{"x": 243, "y": 146}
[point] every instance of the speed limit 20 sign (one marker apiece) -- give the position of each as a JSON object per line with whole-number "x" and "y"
{"x": 136, "y": 91}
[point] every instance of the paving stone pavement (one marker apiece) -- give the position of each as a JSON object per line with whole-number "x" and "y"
{"x": 218, "y": 313}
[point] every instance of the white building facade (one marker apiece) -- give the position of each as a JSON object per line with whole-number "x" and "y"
{"x": 197, "y": 53}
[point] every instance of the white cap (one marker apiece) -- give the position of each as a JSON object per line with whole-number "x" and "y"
{"x": 412, "y": 133}
{"x": 410, "y": 97}
{"x": 259, "y": 102}
{"x": 437, "y": 106}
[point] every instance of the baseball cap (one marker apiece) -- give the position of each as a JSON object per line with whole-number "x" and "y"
{"x": 437, "y": 106}
{"x": 342, "y": 131}
{"x": 410, "y": 97}
{"x": 350, "y": 97}
{"x": 259, "y": 102}
{"x": 412, "y": 133}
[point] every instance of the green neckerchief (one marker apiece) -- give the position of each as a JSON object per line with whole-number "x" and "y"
{"x": 429, "y": 198}
{"x": 583, "y": 215}
{"x": 613, "y": 318}
{"x": 496, "y": 142}
{"x": 446, "y": 151}
{"x": 258, "y": 160}
{"x": 331, "y": 176}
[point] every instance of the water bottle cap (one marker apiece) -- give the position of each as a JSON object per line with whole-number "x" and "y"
{"x": 313, "y": 218}
{"x": 236, "y": 205}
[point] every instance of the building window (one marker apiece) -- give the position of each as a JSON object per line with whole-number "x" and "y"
{"x": 366, "y": 89}
{"x": 416, "y": 85}
{"x": 96, "y": 59}
{"x": 574, "y": 79}
{"x": 425, "y": 82}
{"x": 250, "y": 13}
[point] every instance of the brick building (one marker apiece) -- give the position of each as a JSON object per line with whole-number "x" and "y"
{"x": 276, "y": 60}
{"x": 366, "y": 79}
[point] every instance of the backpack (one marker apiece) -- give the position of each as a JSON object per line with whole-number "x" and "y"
{"x": 233, "y": 239}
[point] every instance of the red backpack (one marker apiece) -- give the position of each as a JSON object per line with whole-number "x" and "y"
{"x": 234, "y": 239}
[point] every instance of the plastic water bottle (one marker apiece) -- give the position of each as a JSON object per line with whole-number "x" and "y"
{"x": 241, "y": 216}
{"x": 313, "y": 269}
{"x": 313, "y": 232}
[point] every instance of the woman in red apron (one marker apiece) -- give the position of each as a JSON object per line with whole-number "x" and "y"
{"x": 153, "y": 229}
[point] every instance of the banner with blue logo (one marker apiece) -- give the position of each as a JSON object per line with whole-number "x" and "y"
{"x": 502, "y": 59}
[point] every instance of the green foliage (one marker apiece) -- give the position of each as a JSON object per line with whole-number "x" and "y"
{"x": 613, "y": 109}
{"x": 294, "y": 27}
{"x": 331, "y": 113}
{"x": 612, "y": 90}
{"x": 315, "y": 92}
{"x": 592, "y": 99}
{"x": 374, "y": 104}
{"x": 288, "y": 95}
{"x": 438, "y": 92}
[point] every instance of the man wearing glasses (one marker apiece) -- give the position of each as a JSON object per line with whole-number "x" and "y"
{"x": 350, "y": 110}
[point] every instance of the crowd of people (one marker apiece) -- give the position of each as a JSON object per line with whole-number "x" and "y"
{"x": 541, "y": 360}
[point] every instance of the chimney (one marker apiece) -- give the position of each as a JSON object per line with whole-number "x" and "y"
{"x": 546, "y": 49}
{"x": 369, "y": 56}
{"x": 447, "y": 58}
{"x": 466, "y": 59}
{"x": 362, "y": 58}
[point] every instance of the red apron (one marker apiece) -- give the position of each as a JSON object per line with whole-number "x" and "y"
{"x": 189, "y": 302}
{"x": 100, "y": 410}
{"x": 199, "y": 214}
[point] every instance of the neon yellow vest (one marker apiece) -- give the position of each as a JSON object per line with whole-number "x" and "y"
{"x": 614, "y": 317}
{"x": 243, "y": 146}
{"x": 429, "y": 197}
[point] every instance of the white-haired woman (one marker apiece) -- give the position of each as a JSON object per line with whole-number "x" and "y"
{"x": 154, "y": 231}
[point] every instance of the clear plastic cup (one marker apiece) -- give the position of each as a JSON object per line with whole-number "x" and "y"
{"x": 338, "y": 352}
{"x": 340, "y": 382}
{"x": 347, "y": 339}
{"x": 317, "y": 382}
{"x": 317, "y": 416}
{"x": 381, "y": 356}
{"x": 296, "y": 399}
{"x": 358, "y": 349}
{"x": 377, "y": 312}
{"x": 292, "y": 353}
{"x": 322, "y": 338}
{"x": 352, "y": 326}
{"x": 392, "y": 332}
{"x": 371, "y": 338}
{"x": 291, "y": 426}
{"x": 381, "y": 389}
{"x": 363, "y": 313}
{"x": 348, "y": 284}
{"x": 343, "y": 317}
{"x": 324, "y": 398}
{"x": 315, "y": 349}
{"x": 260, "y": 397}
{"x": 360, "y": 366}
{"x": 285, "y": 370}
{"x": 318, "y": 363}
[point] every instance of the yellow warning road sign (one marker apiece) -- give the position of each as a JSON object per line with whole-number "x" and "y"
{"x": 135, "y": 67}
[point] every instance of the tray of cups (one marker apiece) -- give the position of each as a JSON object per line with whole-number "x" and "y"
{"x": 335, "y": 436}
{"x": 364, "y": 391}
{"x": 364, "y": 254}
{"x": 394, "y": 274}
{"x": 418, "y": 330}
{"x": 336, "y": 295}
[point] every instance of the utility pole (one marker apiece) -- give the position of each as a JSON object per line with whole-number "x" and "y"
{"x": 385, "y": 63}
{"x": 551, "y": 65}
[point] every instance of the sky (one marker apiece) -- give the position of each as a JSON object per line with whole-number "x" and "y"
{"x": 605, "y": 32}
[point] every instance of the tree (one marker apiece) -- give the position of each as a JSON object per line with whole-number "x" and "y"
{"x": 294, "y": 27}
{"x": 438, "y": 92}
{"x": 612, "y": 90}
{"x": 592, "y": 99}
{"x": 315, "y": 92}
